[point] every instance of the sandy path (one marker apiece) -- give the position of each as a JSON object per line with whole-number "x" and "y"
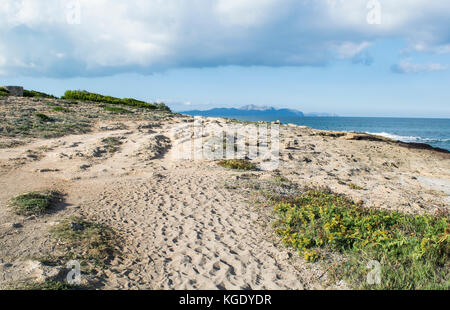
{"x": 185, "y": 231}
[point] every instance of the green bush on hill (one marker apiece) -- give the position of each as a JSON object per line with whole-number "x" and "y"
{"x": 87, "y": 96}
{"x": 37, "y": 94}
{"x": 3, "y": 92}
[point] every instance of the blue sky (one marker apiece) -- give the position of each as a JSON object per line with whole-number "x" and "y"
{"x": 315, "y": 56}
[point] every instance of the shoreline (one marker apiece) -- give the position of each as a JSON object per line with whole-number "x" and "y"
{"x": 396, "y": 137}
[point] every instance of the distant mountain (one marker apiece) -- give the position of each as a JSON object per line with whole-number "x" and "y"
{"x": 249, "y": 112}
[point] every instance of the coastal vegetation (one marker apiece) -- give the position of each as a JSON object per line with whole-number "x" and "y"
{"x": 3, "y": 92}
{"x": 38, "y": 115}
{"x": 35, "y": 203}
{"x": 61, "y": 109}
{"x": 111, "y": 144}
{"x": 87, "y": 96}
{"x": 117, "y": 110}
{"x": 91, "y": 243}
{"x": 37, "y": 94}
{"x": 237, "y": 164}
{"x": 48, "y": 285}
{"x": 413, "y": 250}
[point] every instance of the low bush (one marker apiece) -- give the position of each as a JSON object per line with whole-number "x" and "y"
{"x": 89, "y": 242}
{"x": 237, "y": 164}
{"x": 34, "y": 203}
{"x": 414, "y": 251}
{"x": 37, "y": 94}
{"x": 3, "y": 92}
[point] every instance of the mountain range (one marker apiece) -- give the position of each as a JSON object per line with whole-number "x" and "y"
{"x": 253, "y": 112}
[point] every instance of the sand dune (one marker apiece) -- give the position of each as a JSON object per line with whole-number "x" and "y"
{"x": 181, "y": 227}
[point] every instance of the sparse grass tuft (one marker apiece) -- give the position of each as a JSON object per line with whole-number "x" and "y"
{"x": 61, "y": 109}
{"x": 111, "y": 144}
{"x": 414, "y": 251}
{"x": 237, "y": 164}
{"x": 49, "y": 285}
{"x": 34, "y": 203}
{"x": 31, "y": 124}
{"x": 88, "y": 242}
{"x": 354, "y": 186}
{"x": 117, "y": 110}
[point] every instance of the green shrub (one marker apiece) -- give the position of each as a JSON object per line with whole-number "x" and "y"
{"x": 87, "y": 96}
{"x": 237, "y": 164}
{"x": 414, "y": 251}
{"x": 34, "y": 203}
{"x": 36, "y": 94}
{"x": 3, "y": 92}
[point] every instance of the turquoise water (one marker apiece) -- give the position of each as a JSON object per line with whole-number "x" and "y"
{"x": 432, "y": 131}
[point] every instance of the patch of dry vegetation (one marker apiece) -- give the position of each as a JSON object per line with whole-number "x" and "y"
{"x": 237, "y": 164}
{"x": 42, "y": 117}
{"x": 35, "y": 203}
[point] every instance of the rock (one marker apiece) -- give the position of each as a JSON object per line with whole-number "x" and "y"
{"x": 307, "y": 160}
{"x": 48, "y": 170}
{"x": 84, "y": 167}
{"x": 97, "y": 152}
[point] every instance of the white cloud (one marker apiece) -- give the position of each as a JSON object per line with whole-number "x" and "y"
{"x": 407, "y": 66}
{"x": 150, "y": 35}
{"x": 346, "y": 50}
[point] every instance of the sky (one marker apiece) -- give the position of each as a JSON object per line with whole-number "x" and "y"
{"x": 350, "y": 57}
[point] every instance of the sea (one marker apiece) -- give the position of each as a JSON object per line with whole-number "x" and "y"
{"x": 432, "y": 131}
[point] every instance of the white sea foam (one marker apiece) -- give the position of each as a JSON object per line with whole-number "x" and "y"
{"x": 408, "y": 138}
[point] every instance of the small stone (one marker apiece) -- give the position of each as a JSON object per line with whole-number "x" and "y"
{"x": 307, "y": 160}
{"x": 84, "y": 167}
